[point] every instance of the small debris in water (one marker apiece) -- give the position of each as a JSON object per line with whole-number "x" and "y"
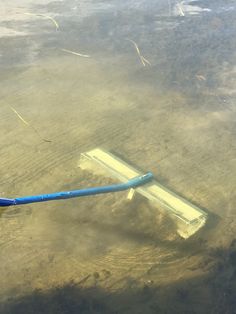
{"x": 46, "y": 16}
{"x": 75, "y": 53}
{"x": 19, "y": 116}
{"x": 142, "y": 59}
{"x": 200, "y": 77}
{"x": 181, "y": 12}
{"x": 28, "y": 124}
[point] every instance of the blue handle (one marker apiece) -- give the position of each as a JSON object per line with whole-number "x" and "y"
{"x": 133, "y": 183}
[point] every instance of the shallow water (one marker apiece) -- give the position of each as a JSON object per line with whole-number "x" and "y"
{"x": 175, "y": 116}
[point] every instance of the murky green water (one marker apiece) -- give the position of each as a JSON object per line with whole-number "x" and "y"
{"x": 174, "y": 116}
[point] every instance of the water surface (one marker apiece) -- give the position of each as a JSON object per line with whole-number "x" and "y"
{"x": 174, "y": 116}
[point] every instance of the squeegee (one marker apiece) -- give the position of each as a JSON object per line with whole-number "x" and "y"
{"x": 188, "y": 217}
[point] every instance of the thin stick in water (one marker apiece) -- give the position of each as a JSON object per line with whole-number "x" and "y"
{"x": 46, "y": 16}
{"x": 200, "y": 77}
{"x": 180, "y": 9}
{"x": 143, "y": 60}
{"x": 19, "y": 116}
{"x": 75, "y": 53}
{"x": 29, "y": 125}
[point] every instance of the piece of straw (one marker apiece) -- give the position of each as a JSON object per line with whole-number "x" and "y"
{"x": 29, "y": 125}
{"x": 19, "y": 116}
{"x": 180, "y": 9}
{"x": 75, "y": 53}
{"x": 46, "y": 16}
{"x": 142, "y": 59}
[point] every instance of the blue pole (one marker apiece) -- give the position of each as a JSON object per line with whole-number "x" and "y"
{"x": 132, "y": 183}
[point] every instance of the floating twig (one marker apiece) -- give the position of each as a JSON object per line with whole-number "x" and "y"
{"x": 142, "y": 59}
{"x": 19, "y": 116}
{"x": 200, "y": 77}
{"x": 181, "y": 12}
{"x": 29, "y": 125}
{"x": 46, "y": 16}
{"x": 75, "y": 53}
{"x": 145, "y": 60}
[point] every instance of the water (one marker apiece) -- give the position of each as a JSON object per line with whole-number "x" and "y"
{"x": 174, "y": 116}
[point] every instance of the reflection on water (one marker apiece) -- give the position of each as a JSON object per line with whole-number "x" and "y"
{"x": 173, "y": 115}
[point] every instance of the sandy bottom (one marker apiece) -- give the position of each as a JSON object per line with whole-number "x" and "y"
{"x": 105, "y": 254}
{"x": 105, "y": 245}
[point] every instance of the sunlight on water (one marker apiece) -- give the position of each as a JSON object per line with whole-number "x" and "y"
{"x": 154, "y": 82}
